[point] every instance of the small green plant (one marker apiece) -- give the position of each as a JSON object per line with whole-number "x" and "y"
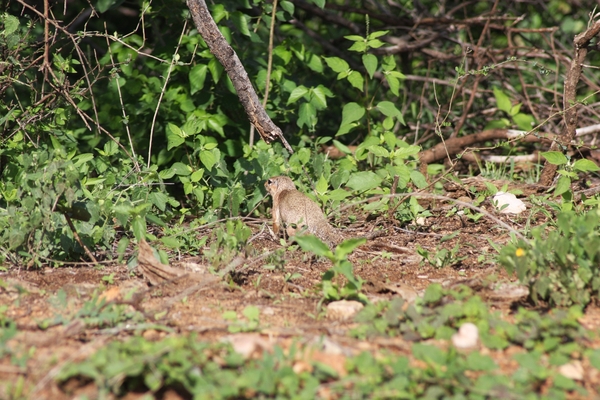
{"x": 568, "y": 172}
{"x": 442, "y": 258}
{"x": 228, "y": 240}
{"x": 562, "y": 266}
{"x": 341, "y": 268}
{"x": 252, "y": 313}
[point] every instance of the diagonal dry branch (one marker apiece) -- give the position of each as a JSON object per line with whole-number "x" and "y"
{"x": 235, "y": 70}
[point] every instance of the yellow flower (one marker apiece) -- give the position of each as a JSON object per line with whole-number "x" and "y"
{"x": 520, "y": 252}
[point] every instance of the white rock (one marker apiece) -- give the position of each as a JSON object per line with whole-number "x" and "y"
{"x": 513, "y": 205}
{"x": 467, "y": 336}
{"x": 343, "y": 309}
{"x": 572, "y": 370}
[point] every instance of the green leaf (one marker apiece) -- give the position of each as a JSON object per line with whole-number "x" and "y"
{"x": 370, "y": 63}
{"x": 208, "y": 158}
{"x": 363, "y": 181}
{"x": 319, "y": 97}
{"x": 359, "y": 47}
{"x": 555, "y": 157}
{"x": 337, "y": 64}
{"x": 502, "y": 100}
{"x": 585, "y": 165}
{"x": 563, "y": 185}
{"x": 321, "y": 186}
{"x": 175, "y": 136}
{"x": 428, "y": 353}
{"x": 297, "y": 94}
{"x": 524, "y": 121}
{"x": 218, "y": 12}
{"x": 251, "y": 312}
{"x": 11, "y": 24}
{"x": 287, "y": 6}
{"x": 312, "y": 244}
{"x": 418, "y": 179}
{"x": 356, "y": 80}
{"x": 355, "y": 38}
{"x": 348, "y": 246}
{"x": 197, "y": 76}
{"x": 375, "y": 43}
{"x": 307, "y": 116}
{"x": 341, "y": 147}
{"x": 477, "y": 362}
{"x": 394, "y": 84}
{"x": 352, "y": 112}
{"x": 240, "y": 21}
{"x": 376, "y": 34}
{"x": 389, "y": 109}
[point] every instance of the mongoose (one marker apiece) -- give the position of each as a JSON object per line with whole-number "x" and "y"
{"x": 291, "y": 207}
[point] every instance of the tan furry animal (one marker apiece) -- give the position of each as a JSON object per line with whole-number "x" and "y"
{"x": 291, "y": 207}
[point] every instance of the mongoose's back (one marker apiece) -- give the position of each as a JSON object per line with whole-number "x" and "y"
{"x": 295, "y": 208}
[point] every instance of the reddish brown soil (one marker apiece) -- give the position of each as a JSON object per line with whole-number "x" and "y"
{"x": 289, "y": 309}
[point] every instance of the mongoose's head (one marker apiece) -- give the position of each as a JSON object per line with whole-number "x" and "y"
{"x": 277, "y": 184}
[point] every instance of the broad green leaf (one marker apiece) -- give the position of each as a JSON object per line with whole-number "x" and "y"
{"x": 338, "y": 194}
{"x": 418, "y": 179}
{"x": 352, "y": 112}
{"x": 585, "y": 165}
{"x": 348, "y": 246}
{"x": 321, "y": 186}
{"x": 138, "y": 225}
{"x": 175, "y": 136}
{"x": 197, "y": 175}
{"x": 354, "y": 38}
{"x": 181, "y": 169}
{"x": 394, "y": 84}
{"x": 389, "y": 109}
{"x": 502, "y": 100}
{"x": 287, "y": 6}
{"x": 524, "y": 121}
{"x": 562, "y": 185}
{"x": 11, "y": 24}
{"x": 345, "y": 128}
{"x": 341, "y": 147}
{"x": 555, "y": 157}
{"x": 337, "y": 64}
{"x": 240, "y": 21}
{"x": 362, "y": 181}
{"x": 319, "y": 3}
{"x": 375, "y": 43}
{"x": 312, "y": 244}
{"x": 359, "y": 47}
{"x": 379, "y": 151}
{"x": 218, "y": 12}
{"x": 197, "y": 76}
{"x": 307, "y": 116}
{"x": 356, "y": 80}
{"x": 297, "y": 94}
{"x": 318, "y": 98}
{"x": 370, "y": 63}
{"x": 429, "y": 353}
{"x": 208, "y": 159}
{"x": 376, "y": 34}
{"x": 478, "y": 362}
{"x": 515, "y": 109}
{"x": 389, "y": 63}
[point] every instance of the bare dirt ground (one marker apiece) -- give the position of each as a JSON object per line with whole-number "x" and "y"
{"x": 290, "y": 308}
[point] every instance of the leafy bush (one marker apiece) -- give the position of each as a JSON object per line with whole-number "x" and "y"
{"x": 562, "y": 266}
